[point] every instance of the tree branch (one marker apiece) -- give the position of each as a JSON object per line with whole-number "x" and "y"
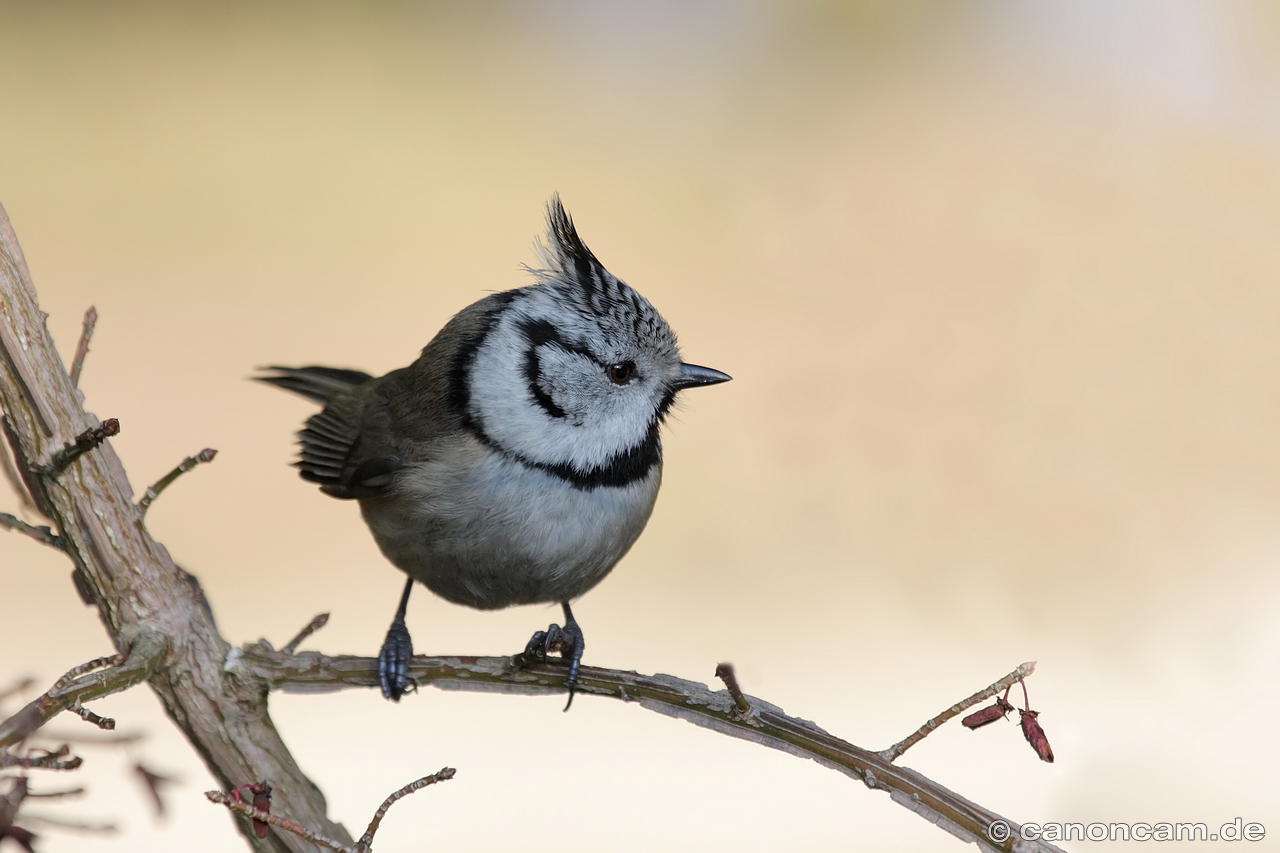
{"x": 129, "y": 576}
{"x": 366, "y": 840}
{"x": 82, "y": 348}
{"x": 894, "y": 752}
{"x": 262, "y": 816}
{"x": 307, "y": 630}
{"x": 83, "y": 684}
{"x": 217, "y": 695}
{"x": 763, "y": 723}
{"x": 43, "y": 535}
{"x": 153, "y": 491}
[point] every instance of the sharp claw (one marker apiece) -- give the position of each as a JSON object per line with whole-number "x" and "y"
{"x": 568, "y": 641}
{"x": 574, "y": 646}
{"x": 542, "y": 643}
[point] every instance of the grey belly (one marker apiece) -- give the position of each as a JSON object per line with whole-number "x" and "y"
{"x": 496, "y": 533}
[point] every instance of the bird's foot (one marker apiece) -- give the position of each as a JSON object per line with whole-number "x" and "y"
{"x": 568, "y": 641}
{"x": 393, "y": 662}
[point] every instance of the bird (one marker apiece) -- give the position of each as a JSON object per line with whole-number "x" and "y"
{"x": 519, "y": 457}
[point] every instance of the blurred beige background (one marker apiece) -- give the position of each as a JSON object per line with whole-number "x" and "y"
{"x": 997, "y": 283}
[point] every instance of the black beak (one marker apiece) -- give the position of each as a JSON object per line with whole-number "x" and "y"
{"x": 693, "y": 376}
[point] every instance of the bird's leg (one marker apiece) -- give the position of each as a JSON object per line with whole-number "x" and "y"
{"x": 397, "y": 648}
{"x": 567, "y": 641}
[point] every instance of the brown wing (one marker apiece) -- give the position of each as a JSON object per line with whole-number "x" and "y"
{"x": 332, "y": 455}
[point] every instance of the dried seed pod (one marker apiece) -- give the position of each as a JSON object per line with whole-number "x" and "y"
{"x": 987, "y": 715}
{"x": 261, "y": 792}
{"x": 262, "y": 802}
{"x": 1035, "y": 735}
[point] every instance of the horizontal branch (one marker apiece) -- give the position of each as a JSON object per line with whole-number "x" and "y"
{"x": 764, "y": 723}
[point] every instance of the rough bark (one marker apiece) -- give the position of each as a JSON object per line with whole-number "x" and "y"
{"x": 129, "y": 577}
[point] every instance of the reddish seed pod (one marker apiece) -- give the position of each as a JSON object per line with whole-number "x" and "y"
{"x": 261, "y": 792}
{"x": 261, "y": 802}
{"x": 1035, "y": 735}
{"x": 987, "y": 715}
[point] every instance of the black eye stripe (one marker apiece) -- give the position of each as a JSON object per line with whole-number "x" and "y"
{"x": 532, "y": 368}
{"x": 540, "y": 332}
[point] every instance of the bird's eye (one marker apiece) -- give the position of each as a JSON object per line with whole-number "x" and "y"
{"x": 620, "y": 374}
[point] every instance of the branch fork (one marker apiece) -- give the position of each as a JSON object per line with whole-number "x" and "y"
{"x": 261, "y": 793}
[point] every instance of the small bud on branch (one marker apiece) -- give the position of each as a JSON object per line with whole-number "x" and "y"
{"x": 85, "y": 441}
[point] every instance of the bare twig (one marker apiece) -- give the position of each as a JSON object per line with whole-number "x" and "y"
{"x": 894, "y": 752}
{"x": 57, "y": 760}
{"x": 724, "y": 672}
{"x": 366, "y": 840}
{"x": 79, "y": 738}
{"x": 241, "y": 807}
{"x": 82, "y": 348}
{"x": 105, "y": 723}
{"x": 84, "y": 669}
{"x": 83, "y": 684}
{"x": 41, "y": 534}
{"x": 767, "y": 725}
{"x": 153, "y": 491}
{"x": 236, "y": 804}
{"x": 84, "y": 442}
{"x": 310, "y": 628}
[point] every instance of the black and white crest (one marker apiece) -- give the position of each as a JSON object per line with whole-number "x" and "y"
{"x": 573, "y": 374}
{"x": 570, "y": 267}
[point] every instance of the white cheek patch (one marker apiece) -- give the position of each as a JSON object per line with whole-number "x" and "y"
{"x": 571, "y": 381}
{"x": 600, "y": 422}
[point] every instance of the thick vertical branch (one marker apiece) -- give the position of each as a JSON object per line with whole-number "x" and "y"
{"x": 129, "y": 576}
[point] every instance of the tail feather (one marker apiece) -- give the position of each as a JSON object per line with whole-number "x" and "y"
{"x": 332, "y": 434}
{"x": 320, "y": 384}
